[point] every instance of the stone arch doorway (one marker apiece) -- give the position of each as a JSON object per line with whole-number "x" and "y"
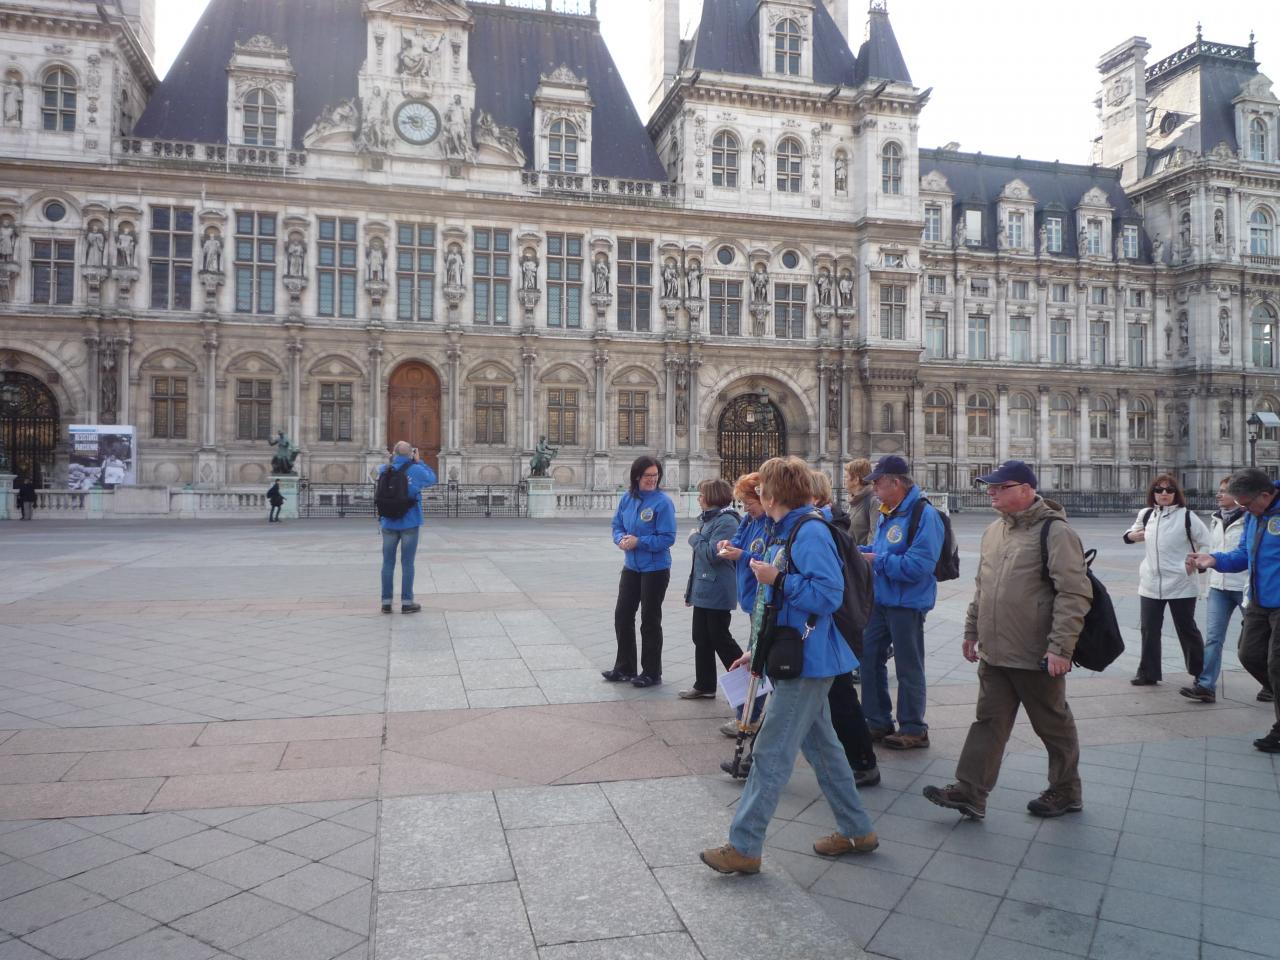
{"x": 752, "y": 429}
{"x": 413, "y": 410}
{"x": 29, "y": 426}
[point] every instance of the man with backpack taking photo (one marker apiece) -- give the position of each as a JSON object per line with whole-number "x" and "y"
{"x": 398, "y": 500}
{"x": 1031, "y": 595}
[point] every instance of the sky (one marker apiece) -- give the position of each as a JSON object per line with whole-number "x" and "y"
{"x": 1009, "y": 77}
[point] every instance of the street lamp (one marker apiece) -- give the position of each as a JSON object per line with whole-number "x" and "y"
{"x": 1258, "y": 421}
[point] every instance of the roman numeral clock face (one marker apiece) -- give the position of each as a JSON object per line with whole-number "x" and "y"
{"x": 417, "y": 122}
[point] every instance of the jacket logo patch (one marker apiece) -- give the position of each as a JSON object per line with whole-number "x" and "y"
{"x": 1273, "y": 526}
{"x": 894, "y": 535}
{"x": 646, "y": 514}
{"x": 757, "y": 546}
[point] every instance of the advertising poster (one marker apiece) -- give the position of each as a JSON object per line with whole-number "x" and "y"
{"x": 103, "y": 457}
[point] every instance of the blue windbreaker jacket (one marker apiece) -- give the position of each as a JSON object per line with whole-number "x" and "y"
{"x": 420, "y": 477}
{"x": 651, "y": 518}
{"x": 752, "y": 538}
{"x": 904, "y": 577}
{"x": 1264, "y": 569}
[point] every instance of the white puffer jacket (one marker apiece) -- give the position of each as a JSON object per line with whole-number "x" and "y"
{"x": 1224, "y": 539}
{"x": 1163, "y": 574}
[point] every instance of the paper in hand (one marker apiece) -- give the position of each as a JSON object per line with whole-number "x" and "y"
{"x": 734, "y": 686}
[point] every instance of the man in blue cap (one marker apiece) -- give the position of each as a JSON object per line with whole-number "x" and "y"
{"x": 1021, "y": 629}
{"x": 909, "y": 537}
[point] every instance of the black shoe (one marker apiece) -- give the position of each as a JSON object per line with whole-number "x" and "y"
{"x": 1266, "y": 696}
{"x": 1268, "y": 744}
{"x": 1141, "y": 681}
{"x": 879, "y": 733}
{"x": 386, "y": 608}
{"x": 646, "y": 680}
{"x": 410, "y": 607}
{"x": 1053, "y": 804}
{"x": 1197, "y": 692}
{"x": 617, "y": 676}
{"x": 867, "y": 778}
{"x": 744, "y": 768}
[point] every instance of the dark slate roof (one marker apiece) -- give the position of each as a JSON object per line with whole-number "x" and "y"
{"x": 510, "y": 48}
{"x": 879, "y": 57}
{"x": 728, "y": 41}
{"x": 978, "y": 180}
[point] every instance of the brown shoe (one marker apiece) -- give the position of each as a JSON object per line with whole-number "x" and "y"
{"x": 953, "y": 798}
{"x": 727, "y": 859}
{"x": 837, "y": 845}
{"x": 906, "y": 741}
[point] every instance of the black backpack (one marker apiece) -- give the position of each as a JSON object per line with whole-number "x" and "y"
{"x": 948, "y": 565}
{"x": 391, "y": 496}
{"x": 1100, "y": 642}
{"x": 853, "y": 613}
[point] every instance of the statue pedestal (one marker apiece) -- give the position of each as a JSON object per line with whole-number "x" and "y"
{"x": 208, "y": 470}
{"x": 450, "y": 467}
{"x": 289, "y": 490}
{"x": 542, "y": 498}
{"x": 8, "y": 497}
{"x": 600, "y": 470}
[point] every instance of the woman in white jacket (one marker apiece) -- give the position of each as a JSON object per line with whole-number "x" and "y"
{"x": 1170, "y": 531}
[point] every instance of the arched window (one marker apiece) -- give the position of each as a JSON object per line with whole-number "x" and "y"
{"x": 1140, "y": 420}
{"x": 1257, "y": 139}
{"x": 886, "y": 418}
{"x": 891, "y": 169}
{"x": 786, "y": 48}
{"x": 1100, "y": 419}
{"x": 724, "y": 160}
{"x": 59, "y": 104}
{"x": 790, "y": 165}
{"x": 1263, "y": 330}
{"x": 1260, "y": 231}
{"x": 562, "y": 150}
{"x": 260, "y": 118}
{"x": 937, "y": 422}
{"x": 1022, "y": 423}
{"x": 1061, "y": 421}
{"x": 978, "y": 413}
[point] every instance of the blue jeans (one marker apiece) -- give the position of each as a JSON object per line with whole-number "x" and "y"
{"x": 903, "y": 629}
{"x": 407, "y": 540}
{"x": 799, "y": 719}
{"x": 1221, "y": 604}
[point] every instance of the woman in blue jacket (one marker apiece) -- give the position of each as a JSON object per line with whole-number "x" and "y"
{"x": 712, "y": 590}
{"x": 644, "y": 528}
{"x": 807, "y": 587}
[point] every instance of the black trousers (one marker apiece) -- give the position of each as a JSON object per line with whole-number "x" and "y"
{"x": 273, "y": 514}
{"x": 1184, "y": 622}
{"x": 711, "y": 639}
{"x": 850, "y": 724}
{"x": 644, "y": 592}
{"x": 1260, "y": 649}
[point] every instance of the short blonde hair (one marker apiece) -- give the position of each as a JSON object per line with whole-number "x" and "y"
{"x": 745, "y": 488}
{"x": 787, "y": 481}
{"x": 857, "y": 469}
{"x": 821, "y": 488}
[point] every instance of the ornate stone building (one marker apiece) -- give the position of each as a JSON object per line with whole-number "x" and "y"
{"x": 366, "y": 220}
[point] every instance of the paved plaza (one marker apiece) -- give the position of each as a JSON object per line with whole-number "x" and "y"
{"x": 212, "y": 745}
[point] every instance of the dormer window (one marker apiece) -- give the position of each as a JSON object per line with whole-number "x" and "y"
{"x": 1257, "y": 139}
{"x": 1017, "y": 224}
{"x": 59, "y": 102}
{"x": 891, "y": 169}
{"x": 790, "y": 165}
{"x": 1053, "y": 234}
{"x": 787, "y": 45}
{"x": 1093, "y": 236}
{"x": 261, "y": 117}
{"x": 562, "y": 147}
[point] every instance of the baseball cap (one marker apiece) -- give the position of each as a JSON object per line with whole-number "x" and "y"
{"x": 1011, "y": 471}
{"x": 890, "y": 465}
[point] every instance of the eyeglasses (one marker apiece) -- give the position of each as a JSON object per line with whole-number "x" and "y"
{"x": 650, "y": 476}
{"x": 1163, "y": 490}
{"x": 997, "y": 487}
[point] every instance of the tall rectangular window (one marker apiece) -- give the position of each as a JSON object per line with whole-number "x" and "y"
{"x": 1062, "y": 476}
{"x": 416, "y": 272}
{"x": 337, "y": 261}
{"x": 255, "y": 263}
{"x": 935, "y": 336}
{"x": 788, "y": 310}
{"x": 1020, "y": 290}
{"x": 635, "y": 284}
{"x": 633, "y": 418}
{"x": 562, "y": 417}
{"x": 253, "y": 409}
{"x": 936, "y": 285}
{"x": 973, "y": 228}
{"x": 1017, "y": 230}
{"x": 335, "y": 411}
{"x": 979, "y": 287}
{"x": 172, "y": 238}
{"x": 564, "y": 280}
{"x": 1059, "y": 339}
{"x": 1099, "y": 335}
{"x": 1020, "y": 339}
{"x": 1264, "y": 340}
{"x": 1098, "y": 296}
{"x": 169, "y": 408}
{"x": 979, "y": 337}
{"x": 932, "y": 223}
{"x": 1129, "y": 242}
{"x": 1060, "y": 293}
{"x": 1137, "y": 344}
{"x": 491, "y": 271}
{"x": 53, "y": 271}
{"x": 1053, "y": 234}
{"x": 1137, "y": 298}
{"x": 1093, "y": 237}
{"x": 893, "y": 311}
{"x": 726, "y": 308}
{"x": 490, "y": 409}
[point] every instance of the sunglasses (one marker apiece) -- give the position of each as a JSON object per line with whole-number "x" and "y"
{"x": 1163, "y": 490}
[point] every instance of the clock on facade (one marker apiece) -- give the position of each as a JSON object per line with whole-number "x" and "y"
{"x": 417, "y": 122}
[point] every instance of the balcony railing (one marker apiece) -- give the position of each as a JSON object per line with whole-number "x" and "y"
{"x": 1257, "y": 260}
{"x": 211, "y": 156}
{"x": 585, "y": 187}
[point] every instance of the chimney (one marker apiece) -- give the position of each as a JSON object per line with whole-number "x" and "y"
{"x": 839, "y": 10}
{"x": 664, "y": 49}
{"x": 1123, "y": 108}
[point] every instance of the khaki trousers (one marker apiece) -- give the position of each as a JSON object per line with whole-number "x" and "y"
{"x": 1001, "y": 691}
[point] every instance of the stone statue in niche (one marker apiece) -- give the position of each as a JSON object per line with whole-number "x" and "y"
{"x": 822, "y": 282}
{"x": 1082, "y": 242}
{"x": 961, "y": 231}
{"x": 1168, "y": 339}
{"x": 457, "y": 131}
{"x": 845, "y": 287}
{"x": 1157, "y": 249}
{"x": 842, "y": 173}
{"x": 1184, "y": 335}
{"x": 1042, "y": 239}
{"x": 1224, "y": 331}
{"x": 376, "y": 261}
{"x": 833, "y": 403}
{"x": 682, "y": 395}
{"x": 453, "y": 267}
{"x": 126, "y": 245}
{"x": 1224, "y": 422}
{"x": 211, "y": 253}
{"x": 1219, "y": 228}
{"x": 760, "y": 284}
{"x": 375, "y": 122}
{"x": 693, "y": 279}
{"x": 670, "y": 280}
{"x": 8, "y": 240}
{"x": 416, "y": 54}
{"x": 529, "y": 271}
{"x": 1119, "y": 247}
{"x": 600, "y": 276}
{"x": 295, "y": 253}
{"x": 757, "y": 165}
{"x": 1002, "y": 235}
{"x": 12, "y": 110}
{"x": 95, "y": 246}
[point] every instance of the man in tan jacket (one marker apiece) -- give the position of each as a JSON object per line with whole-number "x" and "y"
{"x": 1023, "y": 628}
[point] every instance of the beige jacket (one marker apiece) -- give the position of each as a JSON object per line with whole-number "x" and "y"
{"x": 1016, "y": 615}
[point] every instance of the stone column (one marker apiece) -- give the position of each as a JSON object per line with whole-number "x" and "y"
{"x": 91, "y": 342}
{"x": 824, "y": 370}
{"x": 1195, "y": 449}
{"x": 959, "y": 342}
{"x": 669, "y": 407}
{"x": 376, "y": 438}
{"x": 962, "y": 432}
{"x": 695, "y": 423}
{"x": 527, "y": 358}
{"x": 1120, "y": 330}
{"x": 1045, "y": 448}
{"x": 1082, "y": 324}
{"x": 1042, "y": 320}
{"x": 1237, "y": 232}
{"x": 846, "y": 409}
{"x": 295, "y": 390}
{"x": 601, "y": 383}
{"x": 1084, "y": 446}
{"x": 1002, "y": 422}
{"x": 210, "y": 390}
{"x": 453, "y": 357}
{"x": 917, "y": 439}
{"x": 1240, "y": 429}
{"x": 1000, "y": 335}
{"x": 1122, "y": 437}
{"x": 122, "y": 404}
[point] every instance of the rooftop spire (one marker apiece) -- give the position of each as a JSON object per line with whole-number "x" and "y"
{"x": 880, "y": 57}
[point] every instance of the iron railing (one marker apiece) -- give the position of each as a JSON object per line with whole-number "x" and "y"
{"x": 1076, "y": 503}
{"x": 318, "y": 500}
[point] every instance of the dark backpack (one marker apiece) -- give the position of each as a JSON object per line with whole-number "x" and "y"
{"x": 855, "y": 609}
{"x": 1099, "y": 643}
{"x": 391, "y": 496}
{"x": 948, "y": 565}
{"x": 1186, "y": 520}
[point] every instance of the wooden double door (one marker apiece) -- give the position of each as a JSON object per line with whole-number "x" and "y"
{"x": 413, "y": 410}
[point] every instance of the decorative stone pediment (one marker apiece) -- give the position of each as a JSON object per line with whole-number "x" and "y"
{"x": 934, "y": 182}
{"x": 418, "y": 10}
{"x": 1016, "y": 190}
{"x": 1257, "y": 88}
{"x": 262, "y": 43}
{"x": 562, "y": 75}
{"x": 255, "y": 363}
{"x": 170, "y": 361}
{"x": 1094, "y": 197}
{"x": 335, "y": 366}
{"x": 491, "y": 373}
